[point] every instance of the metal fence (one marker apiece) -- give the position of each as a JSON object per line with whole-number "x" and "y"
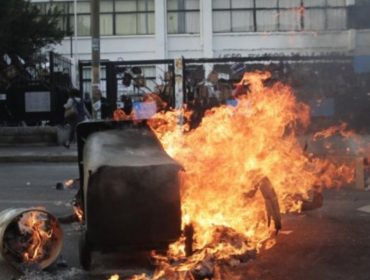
{"x": 132, "y": 79}
{"x": 330, "y": 84}
{"x": 35, "y": 91}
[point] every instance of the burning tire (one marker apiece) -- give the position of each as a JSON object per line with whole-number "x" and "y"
{"x": 29, "y": 238}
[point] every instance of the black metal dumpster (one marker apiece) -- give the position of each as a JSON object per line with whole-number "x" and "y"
{"x": 131, "y": 190}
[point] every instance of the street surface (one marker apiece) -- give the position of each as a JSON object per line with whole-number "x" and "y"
{"x": 25, "y": 185}
{"x": 330, "y": 243}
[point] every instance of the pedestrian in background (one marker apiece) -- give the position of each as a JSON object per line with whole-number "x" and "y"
{"x": 75, "y": 99}
{"x": 106, "y": 108}
{"x": 88, "y": 102}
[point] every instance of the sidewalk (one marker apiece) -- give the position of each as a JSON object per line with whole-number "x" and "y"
{"x": 20, "y": 153}
{"x": 351, "y": 147}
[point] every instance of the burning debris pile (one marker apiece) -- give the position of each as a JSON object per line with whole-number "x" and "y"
{"x": 30, "y": 238}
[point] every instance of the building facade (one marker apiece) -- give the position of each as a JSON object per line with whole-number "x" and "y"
{"x": 166, "y": 29}
{"x": 225, "y": 36}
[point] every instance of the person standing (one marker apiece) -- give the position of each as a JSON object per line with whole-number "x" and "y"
{"x": 75, "y": 99}
{"x": 88, "y": 102}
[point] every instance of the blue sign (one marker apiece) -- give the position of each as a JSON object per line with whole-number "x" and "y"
{"x": 232, "y": 102}
{"x": 144, "y": 110}
{"x": 362, "y": 64}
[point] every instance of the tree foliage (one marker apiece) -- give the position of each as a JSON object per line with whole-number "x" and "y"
{"x": 26, "y": 30}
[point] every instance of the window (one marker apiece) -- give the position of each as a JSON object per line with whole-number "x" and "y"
{"x": 126, "y": 6}
{"x": 315, "y": 3}
{"x": 325, "y": 15}
{"x": 266, "y": 4}
{"x": 267, "y": 20}
{"x": 83, "y": 11}
{"x": 134, "y": 17}
{"x": 106, "y": 18}
{"x": 336, "y": 3}
{"x": 106, "y": 6}
{"x": 63, "y": 23}
{"x": 337, "y": 19}
{"x": 183, "y": 16}
{"x": 314, "y": 19}
{"x": 278, "y": 15}
{"x": 84, "y": 25}
{"x": 106, "y": 25}
{"x": 62, "y": 7}
{"x": 289, "y": 20}
{"x": 126, "y": 24}
{"x": 117, "y": 17}
{"x": 233, "y": 16}
{"x": 86, "y": 79}
{"x": 289, "y": 4}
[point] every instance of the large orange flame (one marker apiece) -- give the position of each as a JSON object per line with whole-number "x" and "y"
{"x": 225, "y": 158}
{"x": 34, "y": 224}
{"x": 232, "y": 145}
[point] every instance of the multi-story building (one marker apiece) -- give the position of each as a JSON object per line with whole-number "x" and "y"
{"x": 168, "y": 29}
{"x": 160, "y": 29}
{"x": 147, "y": 30}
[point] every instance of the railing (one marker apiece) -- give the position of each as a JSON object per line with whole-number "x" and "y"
{"x": 33, "y": 91}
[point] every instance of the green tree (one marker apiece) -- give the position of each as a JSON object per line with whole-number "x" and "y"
{"x": 26, "y": 30}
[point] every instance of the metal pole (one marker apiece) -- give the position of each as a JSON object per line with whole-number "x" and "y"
{"x": 95, "y": 44}
{"x": 75, "y": 39}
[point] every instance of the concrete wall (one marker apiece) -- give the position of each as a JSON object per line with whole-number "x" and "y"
{"x": 191, "y": 46}
{"x": 35, "y": 135}
{"x": 281, "y": 43}
{"x": 362, "y": 42}
{"x": 112, "y": 48}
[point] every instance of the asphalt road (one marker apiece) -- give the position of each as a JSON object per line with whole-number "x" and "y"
{"x": 330, "y": 243}
{"x": 27, "y": 185}
{"x": 24, "y": 185}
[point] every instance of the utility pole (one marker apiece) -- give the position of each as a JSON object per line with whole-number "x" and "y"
{"x": 95, "y": 62}
{"x": 77, "y": 83}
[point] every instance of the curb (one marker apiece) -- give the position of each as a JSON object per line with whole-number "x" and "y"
{"x": 28, "y": 135}
{"x": 38, "y": 158}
